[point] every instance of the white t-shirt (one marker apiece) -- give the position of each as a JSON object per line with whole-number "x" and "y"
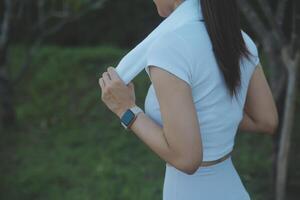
{"x": 187, "y": 53}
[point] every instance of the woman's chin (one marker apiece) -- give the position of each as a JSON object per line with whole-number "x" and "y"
{"x": 162, "y": 14}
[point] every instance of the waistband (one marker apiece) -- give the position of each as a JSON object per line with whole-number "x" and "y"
{"x": 213, "y": 162}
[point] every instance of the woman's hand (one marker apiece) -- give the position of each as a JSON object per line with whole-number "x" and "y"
{"x": 117, "y": 96}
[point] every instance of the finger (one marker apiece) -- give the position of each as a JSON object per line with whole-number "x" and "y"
{"x": 103, "y": 89}
{"x": 106, "y": 78}
{"x": 101, "y": 83}
{"x": 113, "y": 74}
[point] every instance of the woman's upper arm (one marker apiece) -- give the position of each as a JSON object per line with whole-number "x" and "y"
{"x": 170, "y": 71}
{"x": 179, "y": 116}
{"x": 260, "y": 104}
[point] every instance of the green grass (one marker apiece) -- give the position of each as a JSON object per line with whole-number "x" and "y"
{"x": 68, "y": 145}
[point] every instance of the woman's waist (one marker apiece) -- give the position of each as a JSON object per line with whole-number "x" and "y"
{"x": 224, "y": 160}
{"x": 216, "y": 161}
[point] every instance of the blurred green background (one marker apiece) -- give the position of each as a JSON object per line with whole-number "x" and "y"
{"x": 66, "y": 144}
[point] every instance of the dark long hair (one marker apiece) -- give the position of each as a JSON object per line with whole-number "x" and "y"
{"x": 222, "y": 22}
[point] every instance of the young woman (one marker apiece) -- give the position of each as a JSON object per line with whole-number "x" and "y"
{"x": 207, "y": 83}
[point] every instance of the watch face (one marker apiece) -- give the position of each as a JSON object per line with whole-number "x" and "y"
{"x": 127, "y": 117}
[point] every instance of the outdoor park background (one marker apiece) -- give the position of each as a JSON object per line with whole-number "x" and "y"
{"x": 64, "y": 143}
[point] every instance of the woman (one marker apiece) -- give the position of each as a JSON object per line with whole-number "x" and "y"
{"x": 207, "y": 83}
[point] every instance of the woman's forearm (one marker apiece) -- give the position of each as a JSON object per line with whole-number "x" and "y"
{"x": 248, "y": 124}
{"x": 153, "y": 136}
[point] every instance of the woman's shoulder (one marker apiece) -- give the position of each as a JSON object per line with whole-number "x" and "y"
{"x": 171, "y": 52}
{"x": 169, "y": 42}
{"x": 183, "y": 34}
{"x": 191, "y": 28}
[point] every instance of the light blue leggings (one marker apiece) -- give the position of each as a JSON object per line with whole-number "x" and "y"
{"x": 217, "y": 182}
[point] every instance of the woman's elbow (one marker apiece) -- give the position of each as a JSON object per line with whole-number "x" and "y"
{"x": 189, "y": 165}
{"x": 270, "y": 126}
{"x": 191, "y": 170}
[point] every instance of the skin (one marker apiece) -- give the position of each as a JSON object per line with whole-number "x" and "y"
{"x": 179, "y": 142}
{"x": 166, "y": 7}
{"x": 260, "y": 112}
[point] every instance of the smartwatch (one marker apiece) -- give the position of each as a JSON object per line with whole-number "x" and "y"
{"x": 129, "y": 116}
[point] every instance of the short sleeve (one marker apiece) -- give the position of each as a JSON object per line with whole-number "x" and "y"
{"x": 254, "y": 57}
{"x": 170, "y": 53}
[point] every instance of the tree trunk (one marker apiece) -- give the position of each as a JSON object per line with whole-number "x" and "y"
{"x": 287, "y": 124}
{"x": 7, "y": 112}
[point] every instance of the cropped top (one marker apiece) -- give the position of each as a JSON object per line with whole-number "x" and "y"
{"x": 187, "y": 53}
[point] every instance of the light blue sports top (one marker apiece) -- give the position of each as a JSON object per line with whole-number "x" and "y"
{"x": 187, "y": 53}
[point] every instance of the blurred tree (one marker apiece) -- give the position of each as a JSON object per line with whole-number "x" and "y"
{"x": 276, "y": 24}
{"x": 7, "y": 112}
{"x": 49, "y": 17}
{"x": 118, "y": 23}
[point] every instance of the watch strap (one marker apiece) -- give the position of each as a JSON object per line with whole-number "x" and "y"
{"x": 135, "y": 110}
